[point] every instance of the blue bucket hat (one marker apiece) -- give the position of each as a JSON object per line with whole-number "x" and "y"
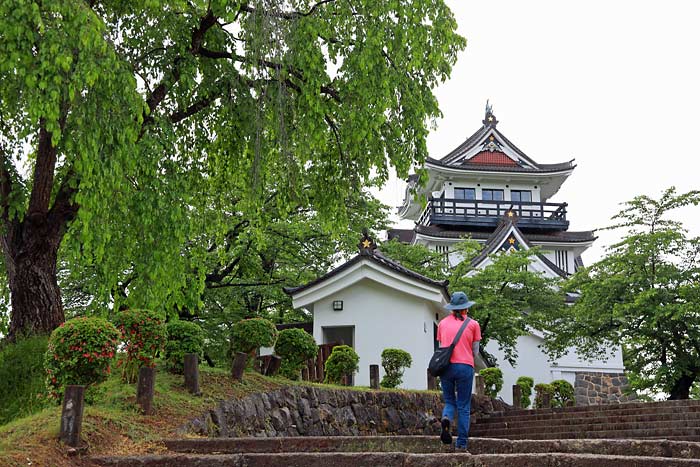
{"x": 459, "y": 302}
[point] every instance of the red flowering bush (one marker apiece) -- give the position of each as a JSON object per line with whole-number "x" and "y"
{"x": 79, "y": 352}
{"x": 143, "y": 334}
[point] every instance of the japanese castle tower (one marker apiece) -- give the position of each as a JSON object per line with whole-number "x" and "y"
{"x": 491, "y": 191}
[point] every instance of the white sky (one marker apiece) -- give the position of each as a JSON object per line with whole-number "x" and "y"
{"x": 615, "y": 85}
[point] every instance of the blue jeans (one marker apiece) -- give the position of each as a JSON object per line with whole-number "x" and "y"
{"x": 459, "y": 377}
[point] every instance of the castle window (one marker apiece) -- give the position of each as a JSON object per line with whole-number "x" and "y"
{"x": 492, "y": 195}
{"x": 465, "y": 193}
{"x": 520, "y": 195}
{"x": 563, "y": 260}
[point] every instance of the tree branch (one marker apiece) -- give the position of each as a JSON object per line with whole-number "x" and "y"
{"x": 285, "y": 14}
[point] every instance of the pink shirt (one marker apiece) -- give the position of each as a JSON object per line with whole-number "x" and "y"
{"x": 448, "y": 329}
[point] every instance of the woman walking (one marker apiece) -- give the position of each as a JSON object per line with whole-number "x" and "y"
{"x": 458, "y": 378}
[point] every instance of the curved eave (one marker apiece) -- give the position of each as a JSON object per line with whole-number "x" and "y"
{"x": 565, "y": 169}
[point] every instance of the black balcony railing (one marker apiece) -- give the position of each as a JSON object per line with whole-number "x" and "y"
{"x": 487, "y": 213}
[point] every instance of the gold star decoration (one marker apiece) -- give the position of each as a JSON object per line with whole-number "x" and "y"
{"x": 490, "y": 118}
{"x": 366, "y": 243}
{"x": 491, "y": 138}
{"x": 510, "y": 213}
{"x": 511, "y": 240}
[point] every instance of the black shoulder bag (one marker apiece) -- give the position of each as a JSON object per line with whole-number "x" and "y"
{"x": 441, "y": 358}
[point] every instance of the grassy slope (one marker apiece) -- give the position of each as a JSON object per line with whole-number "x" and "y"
{"x": 112, "y": 425}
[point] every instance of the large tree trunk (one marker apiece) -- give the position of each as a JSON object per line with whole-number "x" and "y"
{"x": 681, "y": 389}
{"x": 31, "y": 250}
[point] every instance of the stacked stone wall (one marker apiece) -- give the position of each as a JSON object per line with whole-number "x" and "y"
{"x": 313, "y": 411}
{"x": 601, "y": 388}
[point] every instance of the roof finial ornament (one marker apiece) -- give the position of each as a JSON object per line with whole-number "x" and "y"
{"x": 366, "y": 245}
{"x": 490, "y": 118}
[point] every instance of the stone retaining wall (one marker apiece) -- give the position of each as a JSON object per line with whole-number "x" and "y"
{"x": 600, "y": 388}
{"x": 312, "y": 411}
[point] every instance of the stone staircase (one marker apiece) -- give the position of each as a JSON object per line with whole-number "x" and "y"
{"x": 412, "y": 451}
{"x": 676, "y": 420}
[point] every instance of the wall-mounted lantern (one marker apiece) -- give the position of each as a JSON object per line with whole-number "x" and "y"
{"x": 337, "y": 305}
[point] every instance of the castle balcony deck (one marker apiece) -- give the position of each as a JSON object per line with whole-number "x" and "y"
{"x": 487, "y": 213}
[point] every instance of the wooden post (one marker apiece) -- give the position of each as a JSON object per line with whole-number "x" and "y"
{"x": 72, "y": 415}
{"x": 264, "y": 363}
{"x": 305, "y": 374}
{"x": 374, "y": 376}
{"x": 546, "y": 400}
{"x": 517, "y": 396}
{"x": 319, "y": 364}
{"x": 480, "y": 386}
{"x": 192, "y": 374}
{"x": 274, "y": 365}
{"x": 432, "y": 383}
{"x": 145, "y": 389}
{"x": 238, "y": 366}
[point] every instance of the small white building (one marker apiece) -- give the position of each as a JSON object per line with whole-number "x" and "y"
{"x": 372, "y": 303}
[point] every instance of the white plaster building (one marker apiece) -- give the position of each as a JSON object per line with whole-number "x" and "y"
{"x": 372, "y": 303}
{"x": 489, "y": 190}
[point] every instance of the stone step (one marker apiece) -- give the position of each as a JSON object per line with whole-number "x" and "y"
{"x": 585, "y": 427}
{"x": 587, "y": 424}
{"x": 593, "y": 418}
{"x": 391, "y": 459}
{"x": 688, "y": 434}
{"x": 608, "y": 407}
{"x": 571, "y": 412}
{"x": 430, "y": 444}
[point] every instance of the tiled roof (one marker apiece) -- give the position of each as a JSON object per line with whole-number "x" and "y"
{"x": 377, "y": 257}
{"x": 542, "y": 168}
{"x": 402, "y": 235}
{"x": 492, "y": 158}
{"x": 565, "y": 236}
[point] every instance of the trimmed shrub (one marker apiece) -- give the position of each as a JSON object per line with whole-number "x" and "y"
{"x": 394, "y": 361}
{"x": 183, "y": 337}
{"x": 79, "y": 352}
{"x": 295, "y": 346}
{"x": 342, "y": 361}
{"x": 143, "y": 334}
{"x": 251, "y": 334}
{"x": 493, "y": 381}
{"x": 22, "y": 378}
{"x": 563, "y": 394}
{"x": 540, "y": 390}
{"x": 526, "y": 383}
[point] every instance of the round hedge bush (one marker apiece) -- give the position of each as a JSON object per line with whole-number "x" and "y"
{"x": 251, "y": 334}
{"x": 143, "y": 334}
{"x": 183, "y": 337}
{"x": 563, "y": 394}
{"x": 79, "y": 352}
{"x": 526, "y": 383}
{"x": 295, "y": 346}
{"x": 394, "y": 361}
{"x": 540, "y": 390}
{"x": 493, "y": 381}
{"x": 342, "y": 361}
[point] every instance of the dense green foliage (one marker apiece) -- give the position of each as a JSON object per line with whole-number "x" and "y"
{"x": 493, "y": 381}
{"x": 394, "y": 361}
{"x": 542, "y": 389}
{"x": 183, "y": 337}
{"x": 563, "y": 394}
{"x": 22, "y": 378}
{"x": 418, "y": 258}
{"x": 143, "y": 335}
{"x": 251, "y": 334}
{"x": 343, "y": 361}
{"x": 526, "y": 384}
{"x": 644, "y": 295}
{"x": 295, "y": 346}
{"x": 216, "y": 121}
{"x": 80, "y": 351}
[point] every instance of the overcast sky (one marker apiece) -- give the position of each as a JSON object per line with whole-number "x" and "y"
{"x": 614, "y": 85}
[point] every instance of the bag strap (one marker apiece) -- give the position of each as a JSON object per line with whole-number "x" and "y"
{"x": 461, "y": 330}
